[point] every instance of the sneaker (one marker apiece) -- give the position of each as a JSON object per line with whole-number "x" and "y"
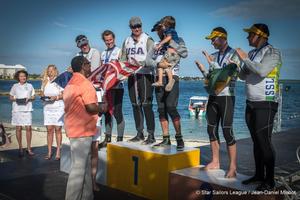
{"x": 252, "y": 180}
{"x": 149, "y": 140}
{"x": 137, "y": 138}
{"x": 180, "y": 143}
{"x": 266, "y": 186}
{"x": 119, "y": 138}
{"x": 106, "y": 140}
{"x": 165, "y": 143}
{"x": 157, "y": 84}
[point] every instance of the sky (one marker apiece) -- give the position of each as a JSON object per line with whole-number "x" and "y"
{"x": 36, "y": 33}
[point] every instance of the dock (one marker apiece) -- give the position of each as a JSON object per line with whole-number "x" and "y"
{"x": 36, "y": 178}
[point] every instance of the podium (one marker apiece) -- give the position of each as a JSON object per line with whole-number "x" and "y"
{"x": 65, "y": 163}
{"x": 144, "y": 170}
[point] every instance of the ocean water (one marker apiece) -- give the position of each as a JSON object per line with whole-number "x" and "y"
{"x": 194, "y": 129}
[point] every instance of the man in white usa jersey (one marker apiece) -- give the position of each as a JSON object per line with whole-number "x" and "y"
{"x": 136, "y": 48}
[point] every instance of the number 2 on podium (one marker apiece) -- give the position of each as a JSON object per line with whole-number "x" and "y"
{"x": 135, "y": 170}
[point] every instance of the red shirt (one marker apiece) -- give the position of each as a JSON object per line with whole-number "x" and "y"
{"x": 78, "y": 93}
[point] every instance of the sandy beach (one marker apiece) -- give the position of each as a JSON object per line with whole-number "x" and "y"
{"x": 39, "y": 138}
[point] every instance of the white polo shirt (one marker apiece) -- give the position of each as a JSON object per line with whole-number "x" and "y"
{"x": 19, "y": 92}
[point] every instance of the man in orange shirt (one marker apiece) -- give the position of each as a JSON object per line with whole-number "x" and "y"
{"x": 81, "y": 109}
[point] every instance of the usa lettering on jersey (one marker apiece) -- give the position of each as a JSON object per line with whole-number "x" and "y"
{"x": 135, "y": 51}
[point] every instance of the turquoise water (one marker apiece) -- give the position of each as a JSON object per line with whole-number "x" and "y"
{"x": 191, "y": 128}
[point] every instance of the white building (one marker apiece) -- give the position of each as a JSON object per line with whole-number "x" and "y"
{"x": 8, "y": 71}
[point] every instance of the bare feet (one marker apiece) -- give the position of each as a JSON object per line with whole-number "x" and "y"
{"x": 212, "y": 166}
{"x": 231, "y": 173}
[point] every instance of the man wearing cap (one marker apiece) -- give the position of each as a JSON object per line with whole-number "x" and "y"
{"x": 167, "y": 101}
{"x": 220, "y": 106}
{"x": 91, "y": 54}
{"x": 261, "y": 74}
{"x": 81, "y": 109}
{"x": 135, "y": 48}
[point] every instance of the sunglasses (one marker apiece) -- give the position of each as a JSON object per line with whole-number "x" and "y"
{"x": 136, "y": 26}
{"x": 82, "y": 42}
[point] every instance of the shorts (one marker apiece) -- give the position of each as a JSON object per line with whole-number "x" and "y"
{"x": 21, "y": 118}
{"x": 172, "y": 58}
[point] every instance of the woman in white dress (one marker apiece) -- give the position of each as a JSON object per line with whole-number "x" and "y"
{"x": 53, "y": 109}
{"x": 22, "y": 95}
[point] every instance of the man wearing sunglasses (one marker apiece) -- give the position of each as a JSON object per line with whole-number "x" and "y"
{"x": 135, "y": 48}
{"x": 91, "y": 54}
{"x": 220, "y": 107}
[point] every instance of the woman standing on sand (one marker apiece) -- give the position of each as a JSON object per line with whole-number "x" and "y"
{"x": 53, "y": 109}
{"x": 22, "y": 95}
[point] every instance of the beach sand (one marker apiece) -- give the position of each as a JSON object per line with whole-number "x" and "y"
{"x": 39, "y": 138}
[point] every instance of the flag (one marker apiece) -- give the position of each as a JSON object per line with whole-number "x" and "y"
{"x": 110, "y": 74}
{"x": 63, "y": 79}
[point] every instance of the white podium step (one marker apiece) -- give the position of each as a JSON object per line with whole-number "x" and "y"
{"x": 197, "y": 183}
{"x": 65, "y": 163}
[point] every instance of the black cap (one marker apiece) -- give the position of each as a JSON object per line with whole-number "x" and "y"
{"x": 81, "y": 40}
{"x": 156, "y": 26}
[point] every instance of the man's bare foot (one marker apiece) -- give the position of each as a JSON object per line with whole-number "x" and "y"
{"x": 212, "y": 166}
{"x": 231, "y": 173}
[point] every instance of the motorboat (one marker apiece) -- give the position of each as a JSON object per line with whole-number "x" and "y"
{"x": 197, "y": 106}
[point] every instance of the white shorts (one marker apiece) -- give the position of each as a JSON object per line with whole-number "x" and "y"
{"x": 53, "y": 117}
{"x": 97, "y": 136}
{"x": 21, "y": 118}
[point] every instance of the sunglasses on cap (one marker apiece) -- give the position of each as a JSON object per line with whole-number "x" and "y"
{"x": 81, "y": 42}
{"x": 136, "y": 26}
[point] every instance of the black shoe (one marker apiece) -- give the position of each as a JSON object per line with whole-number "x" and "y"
{"x": 266, "y": 186}
{"x": 180, "y": 143}
{"x": 252, "y": 180}
{"x": 149, "y": 140}
{"x": 166, "y": 142}
{"x": 105, "y": 141}
{"x": 137, "y": 138}
{"x": 119, "y": 138}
